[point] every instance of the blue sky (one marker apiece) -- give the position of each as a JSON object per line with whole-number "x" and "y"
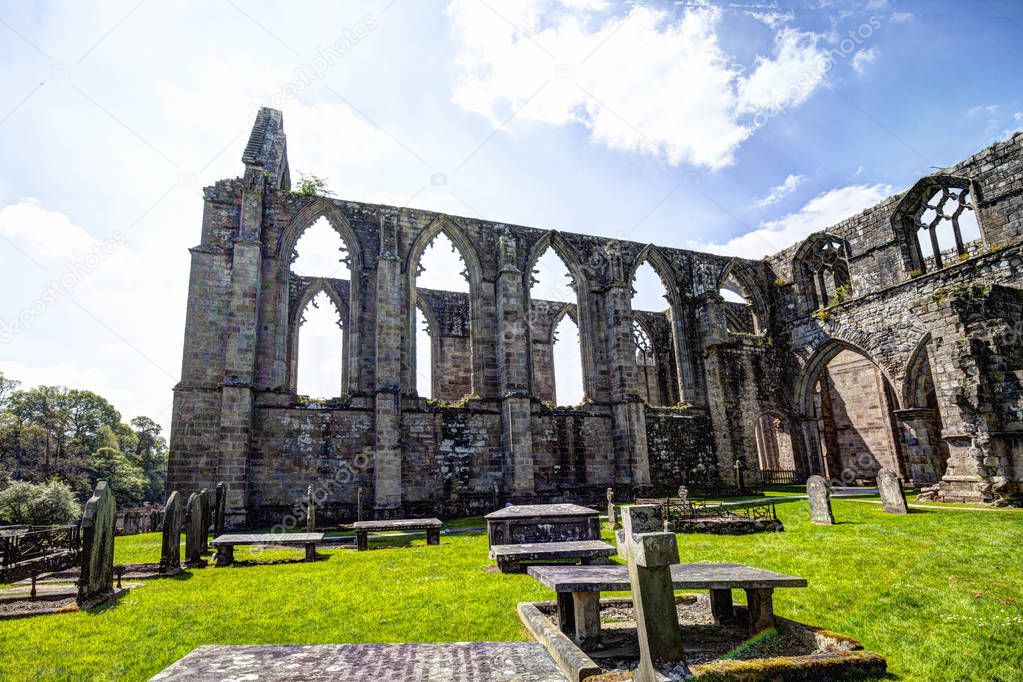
{"x": 698, "y": 125}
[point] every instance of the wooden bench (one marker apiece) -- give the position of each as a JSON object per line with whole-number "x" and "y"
{"x": 579, "y": 588}
{"x": 364, "y": 528}
{"x": 511, "y": 557}
{"x": 225, "y": 544}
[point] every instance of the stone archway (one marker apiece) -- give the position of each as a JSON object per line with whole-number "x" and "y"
{"x": 848, "y": 411}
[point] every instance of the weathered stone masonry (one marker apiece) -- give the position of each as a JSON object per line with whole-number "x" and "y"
{"x": 944, "y": 337}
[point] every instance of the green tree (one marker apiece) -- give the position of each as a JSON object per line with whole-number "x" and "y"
{"x": 39, "y": 505}
{"x": 128, "y": 481}
{"x": 150, "y": 453}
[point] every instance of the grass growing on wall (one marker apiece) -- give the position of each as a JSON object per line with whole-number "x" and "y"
{"x": 939, "y": 592}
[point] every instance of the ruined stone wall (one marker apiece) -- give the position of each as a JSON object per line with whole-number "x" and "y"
{"x": 681, "y": 450}
{"x": 237, "y": 417}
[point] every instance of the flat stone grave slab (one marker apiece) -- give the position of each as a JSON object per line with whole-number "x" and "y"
{"x": 363, "y": 528}
{"x": 510, "y": 557}
{"x": 225, "y": 544}
{"x": 579, "y": 589}
{"x": 615, "y": 578}
{"x": 461, "y": 661}
{"x": 531, "y": 523}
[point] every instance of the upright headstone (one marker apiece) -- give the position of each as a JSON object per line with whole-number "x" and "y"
{"x": 893, "y": 499}
{"x": 819, "y": 492}
{"x": 310, "y": 510}
{"x": 173, "y": 517}
{"x": 98, "y": 522}
{"x": 207, "y": 519}
{"x": 650, "y": 554}
{"x": 194, "y": 532}
{"x": 611, "y": 509}
{"x": 219, "y": 500}
{"x": 740, "y": 479}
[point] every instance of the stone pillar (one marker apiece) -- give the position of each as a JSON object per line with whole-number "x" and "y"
{"x": 390, "y": 322}
{"x": 240, "y": 353}
{"x": 922, "y": 456}
{"x": 714, "y": 332}
{"x": 513, "y": 370}
{"x": 627, "y": 412}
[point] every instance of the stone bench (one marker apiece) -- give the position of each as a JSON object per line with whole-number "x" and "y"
{"x": 225, "y": 544}
{"x": 579, "y": 588}
{"x": 511, "y": 557}
{"x": 364, "y": 528}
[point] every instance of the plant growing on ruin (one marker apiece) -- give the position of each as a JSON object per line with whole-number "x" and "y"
{"x": 312, "y": 186}
{"x": 780, "y": 281}
{"x": 822, "y": 314}
{"x": 914, "y": 273}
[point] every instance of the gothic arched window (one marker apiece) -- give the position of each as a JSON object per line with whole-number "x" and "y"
{"x": 822, "y": 266}
{"x": 937, "y": 220}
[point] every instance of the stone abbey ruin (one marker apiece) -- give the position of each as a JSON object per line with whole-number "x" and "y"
{"x": 893, "y": 339}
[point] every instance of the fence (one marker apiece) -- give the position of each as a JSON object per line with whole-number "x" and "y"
{"x": 780, "y": 477}
{"x": 24, "y": 553}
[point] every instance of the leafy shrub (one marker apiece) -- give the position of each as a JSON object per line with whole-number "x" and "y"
{"x": 45, "y": 504}
{"x": 312, "y": 186}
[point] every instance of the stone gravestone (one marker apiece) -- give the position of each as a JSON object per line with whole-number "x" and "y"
{"x": 611, "y": 509}
{"x": 98, "y": 521}
{"x": 194, "y": 532}
{"x": 219, "y": 500}
{"x": 740, "y": 479}
{"x": 819, "y": 492}
{"x": 893, "y": 499}
{"x": 207, "y": 519}
{"x": 650, "y": 554}
{"x": 310, "y": 510}
{"x": 170, "y": 554}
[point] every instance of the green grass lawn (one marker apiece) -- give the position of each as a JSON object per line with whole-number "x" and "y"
{"x": 939, "y": 593}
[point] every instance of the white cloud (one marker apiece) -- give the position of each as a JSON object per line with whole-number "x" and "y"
{"x": 643, "y": 82}
{"x": 773, "y": 20}
{"x": 864, "y": 58}
{"x": 42, "y": 233}
{"x": 779, "y": 192}
{"x": 789, "y": 78}
{"x": 821, "y": 212}
{"x": 899, "y": 17}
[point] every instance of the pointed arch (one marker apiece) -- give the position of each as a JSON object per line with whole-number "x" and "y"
{"x": 820, "y": 258}
{"x": 570, "y": 257}
{"x": 685, "y": 375}
{"x": 833, "y": 460}
{"x": 320, "y": 207}
{"x": 317, "y": 286}
{"x": 569, "y": 311}
{"x": 917, "y": 364}
{"x": 818, "y": 360}
{"x": 422, "y": 304}
{"x": 907, "y": 221}
{"x": 454, "y": 232}
{"x": 747, "y": 280}
{"x": 316, "y": 208}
